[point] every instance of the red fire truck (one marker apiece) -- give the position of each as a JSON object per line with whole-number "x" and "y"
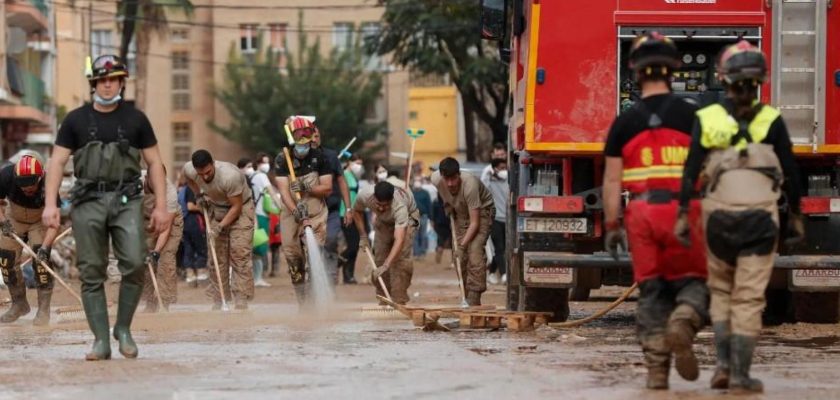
{"x": 569, "y": 79}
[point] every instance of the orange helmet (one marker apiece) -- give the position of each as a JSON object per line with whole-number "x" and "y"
{"x": 302, "y": 130}
{"x": 28, "y": 171}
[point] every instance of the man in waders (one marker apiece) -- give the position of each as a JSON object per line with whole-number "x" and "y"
{"x": 313, "y": 184}
{"x": 397, "y": 218}
{"x": 22, "y": 188}
{"x": 472, "y": 205}
{"x": 746, "y": 149}
{"x": 645, "y": 151}
{"x": 107, "y": 139}
{"x": 226, "y": 196}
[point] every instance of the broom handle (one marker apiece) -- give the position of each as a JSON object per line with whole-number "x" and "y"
{"x": 457, "y": 260}
{"x": 47, "y": 267}
{"x": 57, "y": 238}
{"x": 291, "y": 168}
{"x": 381, "y": 282}
{"x": 213, "y": 253}
{"x": 410, "y": 160}
{"x": 154, "y": 283}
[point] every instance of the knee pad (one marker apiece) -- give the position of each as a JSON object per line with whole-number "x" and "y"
{"x": 7, "y": 265}
{"x": 43, "y": 279}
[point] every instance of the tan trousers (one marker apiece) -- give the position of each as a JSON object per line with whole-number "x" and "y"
{"x": 167, "y": 278}
{"x": 27, "y": 225}
{"x": 398, "y": 277}
{"x": 233, "y": 250}
{"x": 737, "y": 285}
{"x": 292, "y": 237}
{"x": 474, "y": 262}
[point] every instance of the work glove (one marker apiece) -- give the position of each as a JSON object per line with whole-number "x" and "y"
{"x": 154, "y": 259}
{"x": 682, "y": 229}
{"x": 364, "y": 243}
{"x": 216, "y": 231}
{"x": 381, "y": 270}
{"x": 6, "y": 227}
{"x": 299, "y": 186}
{"x": 202, "y": 202}
{"x": 613, "y": 238}
{"x": 301, "y": 212}
{"x": 795, "y": 229}
{"x": 458, "y": 253}
{"x": 44, "y": 254}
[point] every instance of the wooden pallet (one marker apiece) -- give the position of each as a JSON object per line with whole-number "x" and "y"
{"x": 481, "y": 317}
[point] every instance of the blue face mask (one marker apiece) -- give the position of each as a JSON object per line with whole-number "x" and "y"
{"x": 106, "y": 102}
{"x": 302, "y": 150}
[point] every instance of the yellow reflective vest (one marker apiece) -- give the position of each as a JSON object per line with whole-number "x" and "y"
{"x": 718, "y": 127}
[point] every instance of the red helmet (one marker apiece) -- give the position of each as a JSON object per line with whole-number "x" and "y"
{"x": 302, "y": 129}
{"x": 28, "y": 171}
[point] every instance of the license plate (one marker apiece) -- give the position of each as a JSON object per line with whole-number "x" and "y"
{"x": 552, "y": 225}
{"x": 538, "y": 271}
{"x": 816, "y": 278}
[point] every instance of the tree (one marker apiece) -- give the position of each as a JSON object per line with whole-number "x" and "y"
{"x": 337, "y": 89}
{"x": 141, "y": 19}
{"x": 443, "y": 37}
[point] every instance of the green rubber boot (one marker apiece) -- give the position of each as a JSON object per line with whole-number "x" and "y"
{"x": 130, "y": 294}
{"x": 720, "y": 380}
{"x": 96, "y": 311}
{"x": 742, "y": 351}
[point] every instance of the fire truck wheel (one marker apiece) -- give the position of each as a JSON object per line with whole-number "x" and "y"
{"x": 548, "y": 300}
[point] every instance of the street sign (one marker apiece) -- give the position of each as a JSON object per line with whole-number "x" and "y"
{"x": 415, "y": 133}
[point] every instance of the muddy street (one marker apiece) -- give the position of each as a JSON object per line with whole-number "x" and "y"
{"x": 271, "y": 352}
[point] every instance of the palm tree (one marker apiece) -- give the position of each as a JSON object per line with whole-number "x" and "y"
{"x": 141, "y": 18}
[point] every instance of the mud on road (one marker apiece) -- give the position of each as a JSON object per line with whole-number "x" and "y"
{"x": 272, "y": 352}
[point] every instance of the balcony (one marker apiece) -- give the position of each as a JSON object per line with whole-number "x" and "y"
{"x": 30, "y": 90}
{"x": 29, "y": 15}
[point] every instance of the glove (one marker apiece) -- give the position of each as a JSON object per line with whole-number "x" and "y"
{"x": 364, "y": 243}
{"x": 44, "y": 254}
{"x": 299, "y": 186}
{"x": 795, "y": 229}
{"x": 682, "y": 229}
{"x": 613, "y": 239}
{"x": 301, "y": 212}
{"x": 202, "y": 202}
{"x": 217, "y": 231}
{"x": 154, "y": 259}
{"x": 458, "y": 253}
{"x": 6, "y": 227}
{"x": 381, "y": 270}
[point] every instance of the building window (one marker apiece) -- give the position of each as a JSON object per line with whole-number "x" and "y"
{"x": 131, "y": 62}
{"x": 342, "y": 35}
{"x": 183, "y": 152}
{"x": 248, "y": 38}
{"x": 277, "y": 38}
{"x": 101, "y": 42}
{"x": 369, "y": 30}
{"x": 180, "y": 60}
{"x": 181, "y": 132}
{"x": 180, "y": 82}
{"x": 180, "y": 35}
{"x": 180, "y": 101}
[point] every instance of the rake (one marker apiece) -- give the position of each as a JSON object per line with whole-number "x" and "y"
{"x": 379, "y": 311}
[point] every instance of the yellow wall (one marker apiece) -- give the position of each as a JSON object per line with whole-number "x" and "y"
{"x": 434, "y": 109}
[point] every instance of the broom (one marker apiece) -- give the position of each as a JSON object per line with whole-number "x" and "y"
{"x": 458, "y": 265}
{"x": 225, "y": 306}
{"x": 379, "y": 311}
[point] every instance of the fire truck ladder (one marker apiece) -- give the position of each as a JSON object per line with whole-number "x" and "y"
{"x": 798, "y": 67}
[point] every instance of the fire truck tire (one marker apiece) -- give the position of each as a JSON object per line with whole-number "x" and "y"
{"x": 779, "y": 307}
{"x": 580, "y": 294}
{"x": 548, "y": 300}
{"x": 817, "y": 307}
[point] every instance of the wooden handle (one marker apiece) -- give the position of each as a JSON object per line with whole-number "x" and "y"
{"x": 155, "y": 285}
{"x": 457, "y": 260}
{"x": 291, "y": 168}
{"x": 213, "y": 253}
{"x": 57, "y": 238}
{"x": 47, "y": 267}
{"x": 379, "y": 278}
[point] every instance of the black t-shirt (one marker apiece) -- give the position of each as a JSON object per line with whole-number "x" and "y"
{"x": 334, "y": 199}
{"x": 9, "y": 190}
{"x": 75, "y": 130}
{"x": 314, "y": 161}
{"x": 678, "y": 114}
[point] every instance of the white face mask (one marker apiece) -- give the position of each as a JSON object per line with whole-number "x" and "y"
{"x": 264, "y": 168}
{"x": 382, "y": 176}
{"x": 502, "y": 174}
{"x": 249, "y": 172}
{"x": 418, "y": 185}
{"x": 357, "y": 169}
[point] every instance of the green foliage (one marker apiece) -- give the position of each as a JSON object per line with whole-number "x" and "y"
{"x": 443, "y": 38}
{"x": 337, "y": 89}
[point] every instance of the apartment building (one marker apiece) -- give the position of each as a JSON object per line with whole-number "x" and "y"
{"x": 186, "y": 62}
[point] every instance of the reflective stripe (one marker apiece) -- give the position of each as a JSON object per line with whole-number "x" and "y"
{"x": 718, "y": 127}
{"x": 652, "y": 172}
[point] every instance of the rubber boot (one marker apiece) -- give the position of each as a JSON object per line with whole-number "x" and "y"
{"x": 657, "y": 361}
{"x": 720, "y": 380}
{"x": 96, "y": 311}
{"x": 20, "y": 306}
{"x": 129, "y": 299}
{"x": 473, "y": 298}
{"x": 42, "y": 317}
{"x": 740, "y": 382}
{"x": 679, "y": 334}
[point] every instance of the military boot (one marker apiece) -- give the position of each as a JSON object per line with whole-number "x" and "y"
{"x": 679, "y": 333}
{"x": 473, "y": 298}
{"x": 740, "y": 382}
{"x": 130, "y": 294}
{"x": 720, "y": 380}
{"x": 96, "y": 311}
{"x": 657, "y": 361}
{"x": 20, "y": 307}
{"x": 44, "y": 299}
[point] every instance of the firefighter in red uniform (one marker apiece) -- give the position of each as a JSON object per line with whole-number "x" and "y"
{"x": 645, "y": 152}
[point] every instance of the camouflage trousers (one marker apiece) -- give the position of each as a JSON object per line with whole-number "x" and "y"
{"x": 474, "y": 262}
{"x": 233, "y": 251}
{"x": 397, "y": 278}
{"x": 166, "y": 276}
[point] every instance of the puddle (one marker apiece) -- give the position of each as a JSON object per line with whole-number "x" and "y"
{"x": 809, "y": 343}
